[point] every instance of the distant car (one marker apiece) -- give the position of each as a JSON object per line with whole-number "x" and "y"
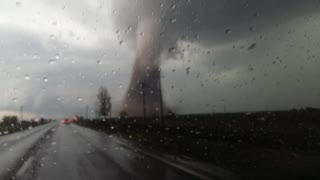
{"x": 66, "y": 121}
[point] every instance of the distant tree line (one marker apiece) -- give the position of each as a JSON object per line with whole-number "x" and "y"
{"x": 8, "y": 120}
{"x": 10, "y": 124}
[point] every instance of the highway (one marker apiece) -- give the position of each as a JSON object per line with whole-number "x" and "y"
{"x": 70, "y": 152}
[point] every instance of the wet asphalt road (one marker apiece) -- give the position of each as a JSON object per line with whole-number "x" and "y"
{"x": 70, "y": 152}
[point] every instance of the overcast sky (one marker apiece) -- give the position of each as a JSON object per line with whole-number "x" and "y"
{"x": 242, "y": 55}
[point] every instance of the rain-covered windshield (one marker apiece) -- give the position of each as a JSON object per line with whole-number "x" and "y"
{"x": 159, "y": 89}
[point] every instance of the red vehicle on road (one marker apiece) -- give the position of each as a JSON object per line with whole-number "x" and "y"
{"x": 66, "y": 121}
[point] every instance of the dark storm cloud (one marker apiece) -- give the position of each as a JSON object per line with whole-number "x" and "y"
{"x": 151, "y": 28}
{"x": 154, "y": 27}
{"x": 207, "y": 20}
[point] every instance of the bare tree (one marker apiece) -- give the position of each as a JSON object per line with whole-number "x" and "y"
{"x": 103, "y": 104}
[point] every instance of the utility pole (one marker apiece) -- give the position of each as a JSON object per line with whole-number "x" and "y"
{"x": 143, "y": 86}
{"x": 160, "y": 100}
{"x": 87, "y": 111}
{"x": 21, "y": 113}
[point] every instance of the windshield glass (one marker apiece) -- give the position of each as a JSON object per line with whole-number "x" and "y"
{"x": 159, "y": 89}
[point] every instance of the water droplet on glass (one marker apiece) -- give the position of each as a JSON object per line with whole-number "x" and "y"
{"x": 228, "y": 31}
{"x": 173, "y": 20}
{"x": 79, "y": 99}
{"x": 27, "y": 77}
{"x": 188, "y": 70}
{"x": 252, "y": 46}
{"x": 251, "y": 68}
{"x": 172, "y": 50}
{"x": 52, "y": 61}
{"x": 35, "y": 56}
{"x": 99, "y": 62}
{"x": 57, "y": 56}
{"x": 45, "y": 79}
{"x": 121, "y": 42}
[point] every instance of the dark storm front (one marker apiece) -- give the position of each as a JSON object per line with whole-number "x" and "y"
{"x": 155, "y": 30}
